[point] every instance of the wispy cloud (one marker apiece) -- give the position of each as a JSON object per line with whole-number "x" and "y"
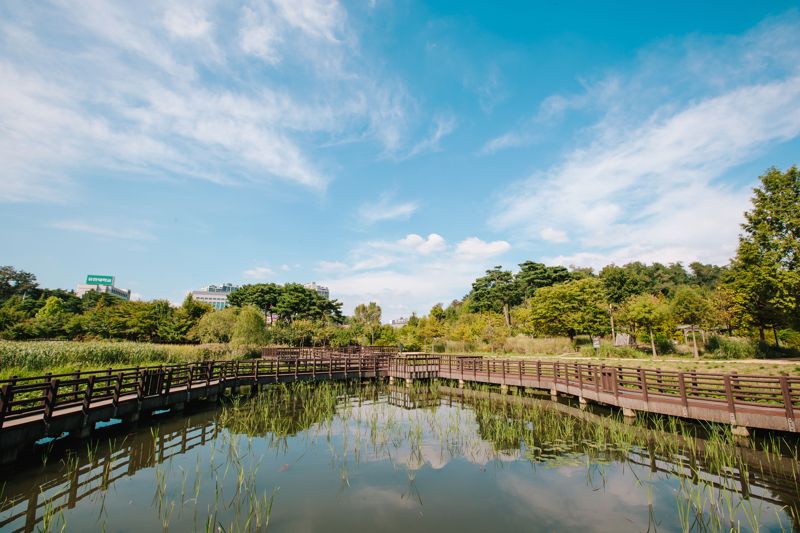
{"x": 645, "y": 185}
{"x": 104, "y": 230}
{"x": 443, "y": 125}
{"x": 410, "y": 274}
{"x": 149, "y": 105}
{"x": 258, "y": 273}
{"x": 386, "y": 208}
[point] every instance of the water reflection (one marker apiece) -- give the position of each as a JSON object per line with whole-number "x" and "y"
{"x": 428, "y": 458}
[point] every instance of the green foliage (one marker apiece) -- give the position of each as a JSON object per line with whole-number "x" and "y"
{"x": 367, "y": 320}
{"x": 765, "y": 274}
{"x": 15, "y": 282}
{"x": 290, "y": 302}
{"x": 567, "y": 309}
{"x": 35, "y": 356}
{"x": 249, "y": 328}
{"x": 720, "y": 347}
{"x": 217, "y": 326}
{"x": 494, "y": 291}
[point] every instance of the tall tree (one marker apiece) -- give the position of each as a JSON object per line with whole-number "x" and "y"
{"x": 572, "y": 308}
{"x": 496, "y": 291}
{"x": 368, "y": 318}
{"x": 765, "y": 275}
{"x": 690, "y": 307}
{"x": 646, "y": 311}
{"x": 13, "y": 281}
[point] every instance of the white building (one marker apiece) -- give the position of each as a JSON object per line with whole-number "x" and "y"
{"x": 103, "y": 284}
{"x": 322, "y": 291}
{"x": 399, "y": 322}
{"x": 215, "y": 295}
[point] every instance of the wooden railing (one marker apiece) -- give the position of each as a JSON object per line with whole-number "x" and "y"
{"x": 44, "y": 396}
{"x": 757, "y": 397}
{"x": 771, "y": 402}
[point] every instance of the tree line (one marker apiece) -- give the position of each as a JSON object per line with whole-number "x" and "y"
{"x": 28, "y": 311}
{"x": 756, "y": 295}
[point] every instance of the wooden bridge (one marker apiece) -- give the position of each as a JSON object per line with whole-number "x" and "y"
{"x": 32, "y": 408}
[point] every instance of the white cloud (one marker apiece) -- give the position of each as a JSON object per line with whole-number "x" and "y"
{"x": 330, "y": 266}
{"x": 285, "y": 268}
{"x": 443, "y": 125}
{"x": 258, "y": 273}
{"x": 386, "y": 209}
{"x": 412, "y": 273}
{"x": 104, "y": 230}
{"x": 185, "y": 22}
{"x": 553, "y": 235}
{"x": 646, "y": 183}
{"x": 143, "y": 109}
{"x": 433, "y": 243}
{"x": 476, "y": 248}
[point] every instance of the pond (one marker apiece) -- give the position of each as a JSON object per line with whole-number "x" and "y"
{"x": 356, "y": 457}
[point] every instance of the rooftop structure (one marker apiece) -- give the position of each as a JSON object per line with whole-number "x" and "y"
{"x": 215, "y": 295}
{"x": 103, "y": 284}
{"x": 322, "y": 291}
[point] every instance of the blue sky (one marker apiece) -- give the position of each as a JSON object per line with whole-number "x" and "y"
{"x": 392, "y": 150}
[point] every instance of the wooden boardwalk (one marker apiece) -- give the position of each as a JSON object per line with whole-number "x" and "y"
{"x": 49, "y": 406}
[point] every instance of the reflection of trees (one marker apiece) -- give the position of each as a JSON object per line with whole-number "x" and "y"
{"x": 91, "y": 471}
{"x": 554, "y": 433}
{"x": 285, "y": 410}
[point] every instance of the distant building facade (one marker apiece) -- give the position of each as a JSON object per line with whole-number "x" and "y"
{"x": 399, "y": 322}
{"x": 103, "y": 284}
{"x": 215, "y": 295}
{"x": 322, "y": 291}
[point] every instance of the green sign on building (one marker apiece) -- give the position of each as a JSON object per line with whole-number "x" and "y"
{"x": 93, "y": 279}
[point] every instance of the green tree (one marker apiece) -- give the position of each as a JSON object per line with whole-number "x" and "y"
{"x": 217, "y": 326}
{"x": 15, "y": 282}
{"x": 690, "y": 307}
{"x": 496, "y": 292}
{"x": 765, "y": 274}
{"x": 367, "y": 317}
{"x": 533, "y": 276}
{"x": 249, "y": 328}
{"x": 569, "y": 309}
{"x": 646, "y": 311}
{"x": 262, "y": 295}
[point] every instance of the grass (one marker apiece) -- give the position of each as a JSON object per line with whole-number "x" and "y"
{"x": 25, "y": 358}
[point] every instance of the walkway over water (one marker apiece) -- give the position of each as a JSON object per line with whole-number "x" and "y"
{"x": 49, "y": 406}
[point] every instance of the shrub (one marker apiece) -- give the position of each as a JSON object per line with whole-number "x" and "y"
{"x": 719, "y": 347}
{"x": 607, "y": 350}
{"x": 522, "y": 344}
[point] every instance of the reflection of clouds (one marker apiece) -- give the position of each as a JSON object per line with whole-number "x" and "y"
{"x": 413, "y": 438}
{"x": 559, "y": 502}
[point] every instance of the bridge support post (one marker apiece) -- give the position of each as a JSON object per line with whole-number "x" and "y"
{"x": 85, "y": 431}
{"x": 503, "y": 389}
{"x": 740, "y": 431}
{"x": 582, "y": 403}
{"x": 628, "y": 413}
{"x": 460, "y": 383}
{"x": 554, "y": 394}
{"x": 391, "y": 380}
{"x": 409, "y": 382}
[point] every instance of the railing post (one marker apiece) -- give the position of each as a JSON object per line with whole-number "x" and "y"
{"x": 117, "y": 389}
{"x": 787, "y": 403}
{"x": 6, "y": 396}
{"x": 643, "y": 384}
{"x": 682, "y": 390}
{"x": 87, "y": 394}
{"x": 729, "y": 397}
{"x": 50, "y": 399}
{"x": 615, "y": 382}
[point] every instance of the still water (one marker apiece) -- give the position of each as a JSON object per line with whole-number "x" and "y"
{"x": 362, "y": 457}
